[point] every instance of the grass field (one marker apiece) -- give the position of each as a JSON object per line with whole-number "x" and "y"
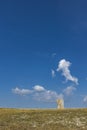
{"x": 42, "y": 119}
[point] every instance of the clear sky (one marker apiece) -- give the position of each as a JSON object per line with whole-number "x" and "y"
{"x": 43, "y": 53}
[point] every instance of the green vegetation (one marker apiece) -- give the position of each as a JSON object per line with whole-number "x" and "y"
{"x": 40, "y": 119}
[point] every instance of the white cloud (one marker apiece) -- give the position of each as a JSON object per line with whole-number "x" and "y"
{"x": 64, "y": 67}
{"x": 69, "y": 90}
{"x": 38, "y": 88}
{"x": 39, "y": 93}
{"x": 21, "y": 91}
{"x": 42, "y": 94}
{"x": 47, "y": 96}
{"x": 53, "y": 73}
{"x": 85, "y": 99}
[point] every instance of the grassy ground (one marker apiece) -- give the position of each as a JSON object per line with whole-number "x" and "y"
{"x": 20, "y": 119}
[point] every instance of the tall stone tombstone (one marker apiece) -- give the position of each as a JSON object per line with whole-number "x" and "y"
{"x": 60, "y": 104}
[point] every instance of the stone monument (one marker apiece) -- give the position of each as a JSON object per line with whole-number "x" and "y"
{"x": 60, "y": 104}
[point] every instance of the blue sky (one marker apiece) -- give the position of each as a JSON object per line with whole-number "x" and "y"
{"x": 43, "y": 53}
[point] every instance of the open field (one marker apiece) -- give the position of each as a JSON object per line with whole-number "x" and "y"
{"x": 42, "y": 119}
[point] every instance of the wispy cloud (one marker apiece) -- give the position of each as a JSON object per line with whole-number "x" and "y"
{"x": 47, "y": 96}
{"x": 21, "y": 91}
{"x": 69, "y": 90}
{"x": 85, "y": 99}
{"x": 53, "y": 73}
{"x": 63, "y": 66}
{"x": 53, "y": 55}
{"x": 39, "y": 93}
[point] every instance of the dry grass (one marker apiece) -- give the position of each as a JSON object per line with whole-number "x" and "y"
{"x": 39, "y": 119}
